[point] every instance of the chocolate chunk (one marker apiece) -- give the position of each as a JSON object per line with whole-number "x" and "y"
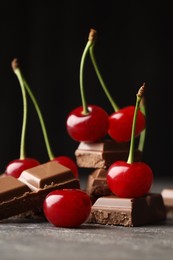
{"x": 167, "y": 195}
{"x": 102, "y": 154}
{"x": 46, "y": 174}
{"x": 97, "y": 183}
{"x": 128, "y": 212}
{"x": 27, "y": 193}
{"x": 10, "y": 188}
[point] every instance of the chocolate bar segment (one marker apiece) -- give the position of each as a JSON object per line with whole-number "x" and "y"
{"x": 27, "y": 193}
{"x": 46, "y": 174}
{"x": 128, "y": 212}
{"x": 10, "y": 188}
{"x": 102, "y": 154}
{"x": 97, "y": 183}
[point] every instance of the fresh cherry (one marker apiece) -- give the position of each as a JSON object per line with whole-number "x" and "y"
{"x": 120, "y": 122}
{"x": 15, "y": 167}
{"x": 90, "y": 127}
{"x": 130, "y": 179}
{"x": 69, "y": 163}
{"x": 68, "y": 208}
{"x": 64, "y": 160}
{"x": 87, "y": 123}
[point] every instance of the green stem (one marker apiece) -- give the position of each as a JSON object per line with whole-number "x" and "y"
{"x": 24, "y": 85}
{"x": 83, "y": 96}
{"x": 49, "y": 150}
{"x": 23, "y": 133}
{"x": 93, "y": 59}
{"x": 132, "y": 142}
{"x": 143, "y": 133}
{"x": 114, "y": 105}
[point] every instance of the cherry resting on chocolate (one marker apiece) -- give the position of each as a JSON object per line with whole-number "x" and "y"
{"x": 130, "y": 179}
{"x": 87, "y": 123}
{"x": 88, "y": 127}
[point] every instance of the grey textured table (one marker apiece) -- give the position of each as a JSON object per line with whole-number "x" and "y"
{"x": 31, "y": 239}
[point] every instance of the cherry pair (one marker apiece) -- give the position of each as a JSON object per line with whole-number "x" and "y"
{"x": 90, "y": 123}
{"x": 15, "y": 167}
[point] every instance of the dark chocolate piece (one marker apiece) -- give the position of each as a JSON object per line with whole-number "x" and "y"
{"x": 27, "y": 193}
{"x": 167, "y": 195}
{"x": 97, "y": 184}
{"x": 128, "y": 212}
{"x": 102, "y": 154}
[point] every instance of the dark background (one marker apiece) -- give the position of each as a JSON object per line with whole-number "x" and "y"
{"x": 134, "y": 45}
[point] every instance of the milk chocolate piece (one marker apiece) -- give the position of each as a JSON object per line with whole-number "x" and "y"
{"x": 43, "y": 175}
{"x": 128, "y": 212}
{"x": 167, "y": 195}
{"x": 102, "y": 154}
{"x": 10, "y": 188}
{"x": 27, "y": 193}
{"x": 97, "y": 184}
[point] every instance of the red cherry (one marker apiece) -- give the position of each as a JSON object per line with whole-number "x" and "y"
{"x": 129, "y": 180}
{"x": 69, "y": 163}
{"x": 67, "y": 208}
{"x": 120, "y": 126}
{"x": 16, "y": 167}
{"x": 87, "y": 128}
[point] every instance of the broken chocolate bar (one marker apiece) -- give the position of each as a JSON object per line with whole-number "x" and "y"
{"x": 97, "y": 183}
{"x": 128, "y": 212}
{"x": 102, "y": 154}
{"x": 28, "y": 192}
{"x": 167, "y": 195}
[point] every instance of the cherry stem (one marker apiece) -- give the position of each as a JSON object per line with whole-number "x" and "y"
{"x": 92, "y": 37}
{"x": 139, "y": 96}
{"x": 16, "y": 70}
{"x": 48, "y": 147}
{"x": 81, "y": 79}
{"x": 23, "y": 82}
{"x": 143, "y": 133}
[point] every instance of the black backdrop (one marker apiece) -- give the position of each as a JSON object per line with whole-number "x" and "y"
{"x": 48, "y": 37}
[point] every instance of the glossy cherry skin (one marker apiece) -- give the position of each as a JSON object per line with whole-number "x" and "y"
{"x": 68, "y": 208}
{"x": 87, "y": 128}
{"x": 129, "y": 180}
{"x": 16, "y": 167}
{"x": 69, "y": 163}
{"x": 120, "y": 124}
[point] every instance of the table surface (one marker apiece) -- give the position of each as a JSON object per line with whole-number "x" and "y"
{"x": 35, "y": 239}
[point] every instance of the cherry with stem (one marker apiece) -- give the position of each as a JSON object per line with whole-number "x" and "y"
{"x": 64, "y": 160}
{"x": 120, "y": 122}
{"x": 15, "y": 167}
{"x": 130, "y": 179}
{"x": 87, "y": 123}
